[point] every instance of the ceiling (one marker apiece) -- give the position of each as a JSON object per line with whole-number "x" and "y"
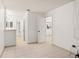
{"x": 33, "y": 5}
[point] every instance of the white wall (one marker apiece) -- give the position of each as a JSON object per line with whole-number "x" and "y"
{"x": 1, "y": 29}
{"x": 63, "y": 29}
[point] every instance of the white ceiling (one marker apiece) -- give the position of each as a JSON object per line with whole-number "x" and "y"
{"x": 34, "y": 5}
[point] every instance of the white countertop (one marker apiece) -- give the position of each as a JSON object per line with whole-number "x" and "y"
{"x": 10, "y": 29}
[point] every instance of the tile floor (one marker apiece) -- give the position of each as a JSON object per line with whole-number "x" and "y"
{"x": 40, "y": 50}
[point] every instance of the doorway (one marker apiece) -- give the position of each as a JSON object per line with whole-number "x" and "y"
{"x": 41, "y": 30}
{"x": 20, "y": 33}
{"x": 49, "y": 29}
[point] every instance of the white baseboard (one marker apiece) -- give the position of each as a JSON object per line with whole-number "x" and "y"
{"x": 64, "y": 49}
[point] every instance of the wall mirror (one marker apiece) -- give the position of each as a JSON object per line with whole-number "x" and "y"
{"x": 6, "y": 24}
{"x": 11, "y": 24}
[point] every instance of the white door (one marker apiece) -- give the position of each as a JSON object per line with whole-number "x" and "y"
{"x": 41, "y": 30}
{"x": 49, "y": 29}
{"x": 32, "y": 28}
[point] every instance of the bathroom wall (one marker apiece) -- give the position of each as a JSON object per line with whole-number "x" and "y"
{"x": 63, "y": 26}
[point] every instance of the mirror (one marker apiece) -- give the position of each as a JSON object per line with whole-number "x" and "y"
{"x": 48, "y": 27}
{"x": 11, "y": 24}
{"x": 6, "y": 24}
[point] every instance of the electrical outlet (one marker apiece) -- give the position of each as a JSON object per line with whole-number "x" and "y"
{"x": 74, "y": 46}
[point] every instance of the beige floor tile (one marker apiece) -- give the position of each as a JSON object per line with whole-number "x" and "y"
{"x": 22, "y": 50}
{"x": 36, "y": 51}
